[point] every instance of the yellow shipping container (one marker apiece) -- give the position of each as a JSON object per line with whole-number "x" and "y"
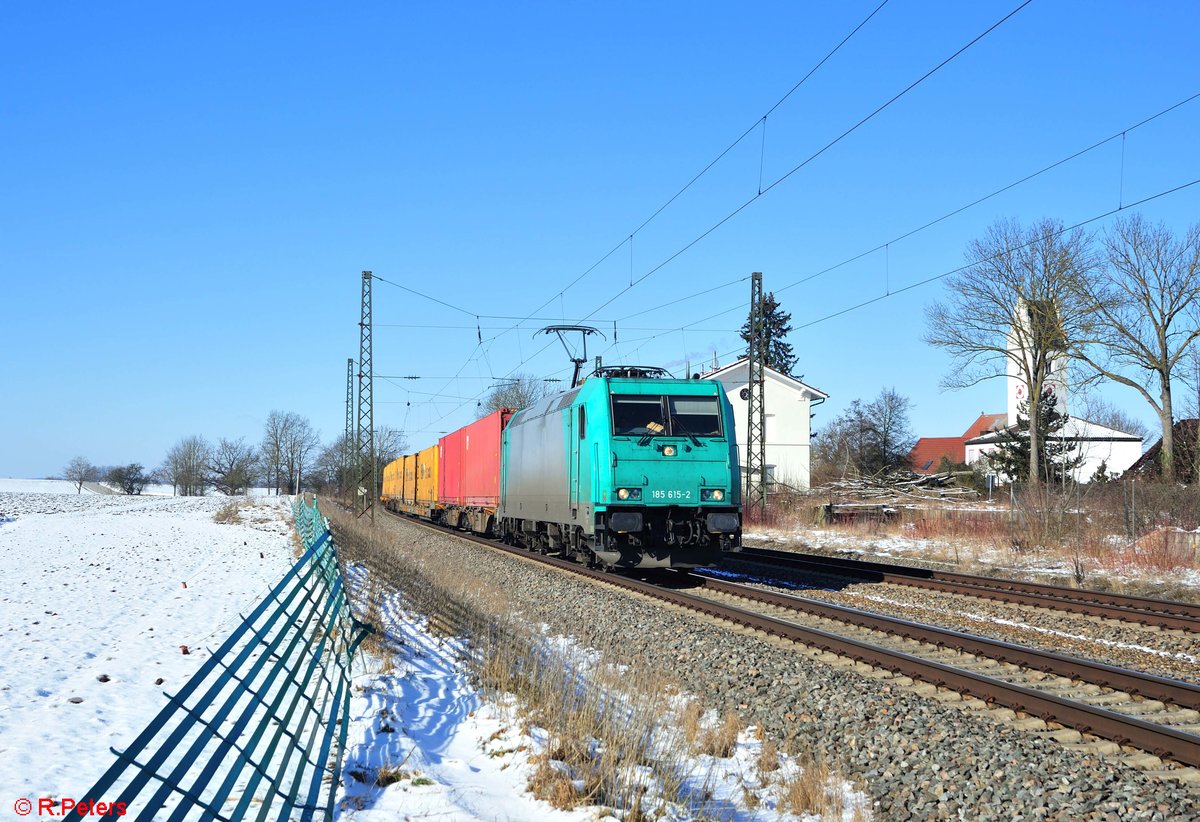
{"x": 427, "y": 477}
{"x": 393, "y": 481}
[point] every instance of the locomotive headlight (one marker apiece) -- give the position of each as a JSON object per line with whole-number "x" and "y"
{"x": 712, "y": 494}
{"x": 669, "y": 450}
{"x": 629, "y": 493}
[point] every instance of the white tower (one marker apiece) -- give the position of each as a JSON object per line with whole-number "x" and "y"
{"x": 1020, "y": 338}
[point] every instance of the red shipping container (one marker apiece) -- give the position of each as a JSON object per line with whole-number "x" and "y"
{"x": 470, "y": 463}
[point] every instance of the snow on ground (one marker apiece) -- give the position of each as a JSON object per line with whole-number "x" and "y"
{"x": 93, "y": 608}
{"x": 944, "y": 552}
{"x": 417, "y": 719}
{"x": 42, "y": 486}
{"x": 54, "y": 486}
{"x": 93, "y": 611}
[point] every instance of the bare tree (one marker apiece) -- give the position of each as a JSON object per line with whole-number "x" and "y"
{"x": 520, "y": 391}
{"x": 79, "y": 471}
{"x": 893, "y": 439}
{"x": 1143, "y": 306}
{"x": 327, "y": 471}
{"x": 1100, "y": 411}
{"x": 299, "y": 441}
{"x": 865, "y": 439}
{"x": 838, "y": 444}
{"x": 233, "y": 466}
{"x": 130, "y": 479}
{"x": 271, "y": 449}
{"x": 186, "y": 466}
{"x": 389, "y": 444}
{"x": 1014, "y": 303}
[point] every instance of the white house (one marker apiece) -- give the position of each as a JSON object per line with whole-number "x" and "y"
{"x": 788, "y": 403}
{"x": 1098, "y": 444}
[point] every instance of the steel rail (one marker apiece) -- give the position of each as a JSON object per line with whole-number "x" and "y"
{"x": 1160, "y": 612}
{"x": 1160, "y": 740}
{"x": 1175, "y": 691}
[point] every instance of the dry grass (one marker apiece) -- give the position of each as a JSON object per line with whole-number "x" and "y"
{"x": 388, "y": 775}
{"x": 721, "y": 739}
{"x": 809, "y": 790}
{"x": 615, "y": 736}
{"x": 768, "y": 758}
{"x": 380, "y": 643}
{"x": 230, "y": 513}
{"x": 601, "y": 721}
{"x": 690, "y": 723}
{"x": 552, "y": 785}
{"x": 1120, "y": 536}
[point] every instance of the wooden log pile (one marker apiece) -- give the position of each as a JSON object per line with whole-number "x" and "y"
{"x": 897, "y": 486}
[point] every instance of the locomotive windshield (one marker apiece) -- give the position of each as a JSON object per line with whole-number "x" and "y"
{"x": 700, "y": 416}
{"x": 639, "y": 415}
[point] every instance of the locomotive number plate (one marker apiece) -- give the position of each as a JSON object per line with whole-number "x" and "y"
{"x": 670, "y": 495}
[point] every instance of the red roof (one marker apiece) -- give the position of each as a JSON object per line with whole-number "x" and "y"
{"x": 926, "y": 456}
{"x": 986, "y": 424}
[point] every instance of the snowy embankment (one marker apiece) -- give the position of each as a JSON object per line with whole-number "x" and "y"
{"x": 424, "y": 743}
{"x": 95, "y": 615}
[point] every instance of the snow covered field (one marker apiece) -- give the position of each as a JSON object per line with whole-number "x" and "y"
{"x": 99, "y": 593}
{"x": 94, "y": 611}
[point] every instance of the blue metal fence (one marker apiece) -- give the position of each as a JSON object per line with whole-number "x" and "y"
{"x": 256, "y": 731}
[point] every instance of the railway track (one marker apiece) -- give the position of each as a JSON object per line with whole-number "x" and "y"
{"x": 1156, "y": 715}
{"x": 1165, "y": 614}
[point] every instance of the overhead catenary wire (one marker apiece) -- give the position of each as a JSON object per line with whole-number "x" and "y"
{"x": 768, "y": 188}
{"x": 885, "y": 246}
{"x": 630, "y": 238}
{"x": 1122, "y": 135}
{"x": 888, "y": 290}
{"x": 815, "y": 155}
{"x": 959, "y": 269}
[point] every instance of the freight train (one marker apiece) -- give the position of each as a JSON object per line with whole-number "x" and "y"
{"x": 618, "y": 472}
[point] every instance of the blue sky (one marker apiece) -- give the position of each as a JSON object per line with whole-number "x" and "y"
{"x": 191, "y": 192}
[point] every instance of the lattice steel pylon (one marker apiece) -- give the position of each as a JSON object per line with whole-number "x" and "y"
{"x": 350, "y": 438}
{"x": 365, "y": 449}
{"x": 756, "y": 412}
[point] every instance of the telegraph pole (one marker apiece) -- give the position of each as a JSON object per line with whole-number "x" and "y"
{"x": 756, "y": 416}
{"x": 365, "y": 452}
{"x": 350, "y": 437}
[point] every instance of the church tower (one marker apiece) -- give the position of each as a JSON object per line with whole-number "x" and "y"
{"x": 1028, "y": 330}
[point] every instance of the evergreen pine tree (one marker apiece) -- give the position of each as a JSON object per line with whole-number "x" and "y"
{"x": 777, "y": 324}
{"x": 1058, "y": 459}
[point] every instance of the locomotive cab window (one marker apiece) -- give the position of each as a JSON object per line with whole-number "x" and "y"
{"x": 642, "y": 416}
{"x": 697, "y": 416}
{"x": 637, "y": 415}
{"x": 582, "y": 422}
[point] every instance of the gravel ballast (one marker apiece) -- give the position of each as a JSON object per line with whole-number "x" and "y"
{"x": 1173, "y": 654}
{"x": 917, "y": 757}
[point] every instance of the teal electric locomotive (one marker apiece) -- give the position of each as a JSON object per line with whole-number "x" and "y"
{"x": 624, "y": 471}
